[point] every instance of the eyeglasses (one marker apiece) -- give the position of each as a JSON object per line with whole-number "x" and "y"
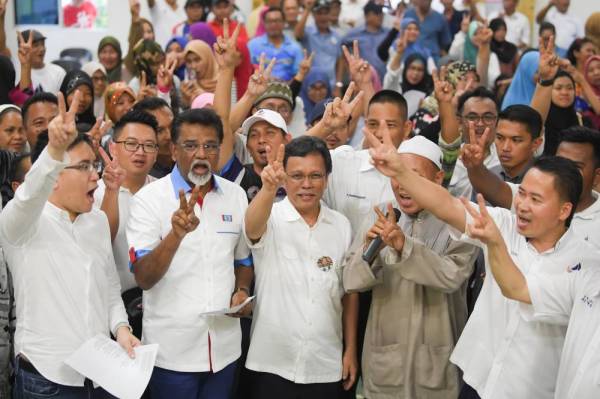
{"x": 192, "y": 147}
{"x": 132, "y": 146}
{"x": 87, "y": 166}
{"x": 313, "y": 177}
{"x": 488, "y": 119}
{"x": 283, "y": 110}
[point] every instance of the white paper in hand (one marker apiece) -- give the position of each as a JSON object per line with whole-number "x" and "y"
{"x": 227, "y": 311}
{"x": 106, "y": 363}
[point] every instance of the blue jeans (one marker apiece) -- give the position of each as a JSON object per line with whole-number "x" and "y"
{"x": 167, "y": 384}
{"x": 30, "y": 385}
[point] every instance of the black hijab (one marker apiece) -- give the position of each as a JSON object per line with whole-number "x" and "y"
{"x": 506, "y": 51}
{"x": 7, "y": 79}
{"x": 70, "y": 83}
{"x": 426, "y": 84}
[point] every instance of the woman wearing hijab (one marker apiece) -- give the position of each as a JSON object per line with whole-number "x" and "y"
{"x": 119, "y": 98}
{"x": 587, "y": 101}
{"x": 507, "y": 53}
{"x": 97, "y": 72}
{"x": 201, "y": 71}
{"x": 110, "y": 56}
{"x": 414, "y": 83}
{"x": 405, "y": 44}
{"x": 174, "y": 48}
{"x": 140, "y": 29}
{"x": 315, "y": 88}
{"x": 79, "y": 80}
{"x": 522, "y": 86}
{"x": 12, "y": 134}
{"x": 201, "y": 31}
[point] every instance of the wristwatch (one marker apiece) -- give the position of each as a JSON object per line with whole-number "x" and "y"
{"x": 546, "y": 83}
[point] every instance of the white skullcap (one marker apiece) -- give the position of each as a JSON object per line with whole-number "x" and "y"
{"x": 423, "y": 147}
{"x": 271, "y": 117}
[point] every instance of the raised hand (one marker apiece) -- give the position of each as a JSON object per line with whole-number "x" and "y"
{"x": 62, "y": 130}
{"x": 189, "y": 91}
{"x": 273, "y": 175}
{"x": 473, "y": 152}
{"x": 339, "y": 110}
{"x": 134, "y": 8}
{"x": 483, "y": 227}
{"x": 184, "y": 220}
{"x": 164, "y": 77}
{"x": 306, "y": 63}
{"x": 259, "y": 81}
{"x": 387, "y": 228}
{"x": 2, "y": 7}
{"x": 360, "y": 71}
{"x": 443, "y": 90}
{"x": 549, "y": 62}
{"x": 113, "y": 174}
{"x": 384, "y": 154}
{"x": 25, "y": 49}
{"x": 402, "y": 43}
{"x": 146, "y": 90}
{"x": 98, "y": 131}
{"x": 225, "y": 48}
{"x": 483, "y": 37}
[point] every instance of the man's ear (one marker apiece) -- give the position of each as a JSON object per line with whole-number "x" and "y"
{"x": 439, "y": 177}
{"x": 14, "y": 185}
{"x": 537, "y": 143}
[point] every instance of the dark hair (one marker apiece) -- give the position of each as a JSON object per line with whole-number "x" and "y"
{"x": 393, "y": 97}
{"x": 203, "y": 116}
{"x": 42, "y": 142}
{"x": 150, "y": 104}
{"x": 568, "y": 181}
{"x": 273, "y": 9}
{"x": 583, "y": 135}
{"x": 41, "y": 97}
{"x": 16, "y": 171}
{"x": 479, "y": 92}
{"x": 304, "y": 145}
{"x": 562, "y": 73}
{"x": 546, "y": 26}
{"x": 576, "y": 46}
{"x": 135, "y": 116}
{"x": 526, "y": 116}
{"x": 497, "y": 23}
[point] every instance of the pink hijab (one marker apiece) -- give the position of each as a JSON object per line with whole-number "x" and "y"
{"x": 587, "y": 68}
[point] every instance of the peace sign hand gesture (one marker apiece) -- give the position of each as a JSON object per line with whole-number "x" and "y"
{"x": 549, "y": 62}
{"x": 25, "y": 49}
{"x": 273, "y": 175}
{"x": 473, "y": 152}
{"x": 483, "y": 227}
{"x": 384, "y": 154}
{"x": 225, "y": 48}
{"x": 62, "y": 130}
{"x": 184, "y": 220}
{"x": 164, "y": 77}
{"x": 339, "y": 110}
{"x": 387, "y": 228}
{"x": 360, "y": 71}
{"x": 259, "y": 81}
{"x": 305, "y": 64}
{"x": 113, "y": 174}
{"x": 443, "y": 90}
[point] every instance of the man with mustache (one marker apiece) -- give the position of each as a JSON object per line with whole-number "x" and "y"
{"x": 184, "y": 235}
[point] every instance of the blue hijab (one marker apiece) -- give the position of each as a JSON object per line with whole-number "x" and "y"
{"x": 415, "y": 47}
{"x": 522, "y": 86}
{"x": 313, "y": 77}
{"x": 182, "y": 41}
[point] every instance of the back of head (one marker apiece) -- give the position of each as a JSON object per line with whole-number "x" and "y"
{"x": 391, "y": 97}
{"x": 204, "y": 116}
{"x": 526, "y": 116}
{"x": 567, "y": 179}
{"x": 135, "y": 116}
{"x": 583, "y": 135}
{"x": 305, "y": 145}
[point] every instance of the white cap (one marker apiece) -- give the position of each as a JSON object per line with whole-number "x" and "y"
{"x": 423, "y": 147}
{"x": 271, "y": 117}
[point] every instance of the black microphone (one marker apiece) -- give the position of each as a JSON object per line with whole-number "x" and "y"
{"x": 373, "y": 248}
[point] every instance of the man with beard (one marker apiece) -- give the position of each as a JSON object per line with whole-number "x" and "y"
{"x": 184, "y": 235}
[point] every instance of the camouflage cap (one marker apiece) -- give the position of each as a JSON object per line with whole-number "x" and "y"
{"x": 277, "y": 90}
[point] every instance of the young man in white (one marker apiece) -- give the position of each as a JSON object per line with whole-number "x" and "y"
{"x": 44, "y": 76}
{"x": 303, "y": 341}
{"x": 65, "y": 279}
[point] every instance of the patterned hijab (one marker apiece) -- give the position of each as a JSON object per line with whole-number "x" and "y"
{"x": 208, "y": 82}
{"x": 113, "y": 93}
{"x": 147, "y": 57}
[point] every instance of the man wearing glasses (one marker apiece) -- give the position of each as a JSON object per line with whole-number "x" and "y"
{"x": 134, "y": 149}
{"x": 185, "y": 236}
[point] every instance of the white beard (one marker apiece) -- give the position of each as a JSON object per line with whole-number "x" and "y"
{"x": 199, "y": 180}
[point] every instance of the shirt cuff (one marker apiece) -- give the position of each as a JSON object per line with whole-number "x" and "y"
{"x": 246, "y": 262}
{"x": 134, "y": 256}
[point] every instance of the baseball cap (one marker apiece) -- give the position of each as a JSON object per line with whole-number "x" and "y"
{"x": 423, "y": 147}
{"x": 37, "y": 35}
{"x": 271, "y": 117}
{"x": 277, "y": 90}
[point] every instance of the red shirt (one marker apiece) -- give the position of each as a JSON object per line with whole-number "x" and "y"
{"x": 82, "y": 16}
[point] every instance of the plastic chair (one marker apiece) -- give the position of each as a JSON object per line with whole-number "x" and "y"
{"x": 68, "y": 65}
{"x": 82, "y": 55}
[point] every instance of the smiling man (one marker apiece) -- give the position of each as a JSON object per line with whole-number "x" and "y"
{"x": 44, "y": 76}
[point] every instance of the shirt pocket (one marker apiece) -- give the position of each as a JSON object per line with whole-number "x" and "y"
{"x": 431, "y": 365}
{"x": 386, "y": 365}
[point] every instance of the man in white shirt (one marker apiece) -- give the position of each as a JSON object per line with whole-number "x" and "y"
{"x": 165, "y": 15}
{"x": 183, "y": 253}
{"x": 303, "y": 342}
{"x": 518, "y": 27}
{"x": 58, "y": 248}
{"x": 501, "y": 348}
{"x": 133, "y": 148}
{"x": 44, "y": 76}
{"x": 568, "y": 26}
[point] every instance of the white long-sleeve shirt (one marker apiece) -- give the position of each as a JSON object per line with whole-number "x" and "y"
{"x": 65, "y": 280}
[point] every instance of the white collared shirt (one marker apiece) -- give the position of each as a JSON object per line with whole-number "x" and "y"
{"x": 460, "y": 185}
{"x": 573, "y": 298}
{"x": 66, "y": 284}
{"x": 297, "y": 324}
{"x": 355, "y": 187}
{"x": 119, "y": 244}
{"x": 518, "y": 27}
{"x": 502, "y": 351}
{"x": 200, "y": 277}
{"x": 568, "y": 27}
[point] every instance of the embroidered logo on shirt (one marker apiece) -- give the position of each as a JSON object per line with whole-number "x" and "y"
{"x": 227, "y": 218}
{"x": 574, "y": 268}
{"x": 325, "y": 263}
{"x": 589, "y": 302}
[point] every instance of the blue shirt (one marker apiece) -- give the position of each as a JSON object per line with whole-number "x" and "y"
{"x": 327, "y": 48}
{"x": 435, "y": 33}
{"x": 367, "y": 45}
{"x": 288, "y": 56}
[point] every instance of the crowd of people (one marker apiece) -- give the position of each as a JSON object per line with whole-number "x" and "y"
{"x": 403, "y": 201}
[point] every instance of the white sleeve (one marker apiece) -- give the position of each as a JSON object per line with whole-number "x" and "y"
{"x": 457, "y": 48}
{"x": 143, "y": 225}
{"x": 526, "y": 33}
